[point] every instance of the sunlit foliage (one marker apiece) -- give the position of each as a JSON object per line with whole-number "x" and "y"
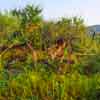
{"x": 47, "y": 60}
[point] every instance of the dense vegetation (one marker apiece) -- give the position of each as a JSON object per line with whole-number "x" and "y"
{"x": 47, "y": 60}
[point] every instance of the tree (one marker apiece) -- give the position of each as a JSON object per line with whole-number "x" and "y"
{"x": 30, "y": 23}
{"x": 28, "y": 15}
